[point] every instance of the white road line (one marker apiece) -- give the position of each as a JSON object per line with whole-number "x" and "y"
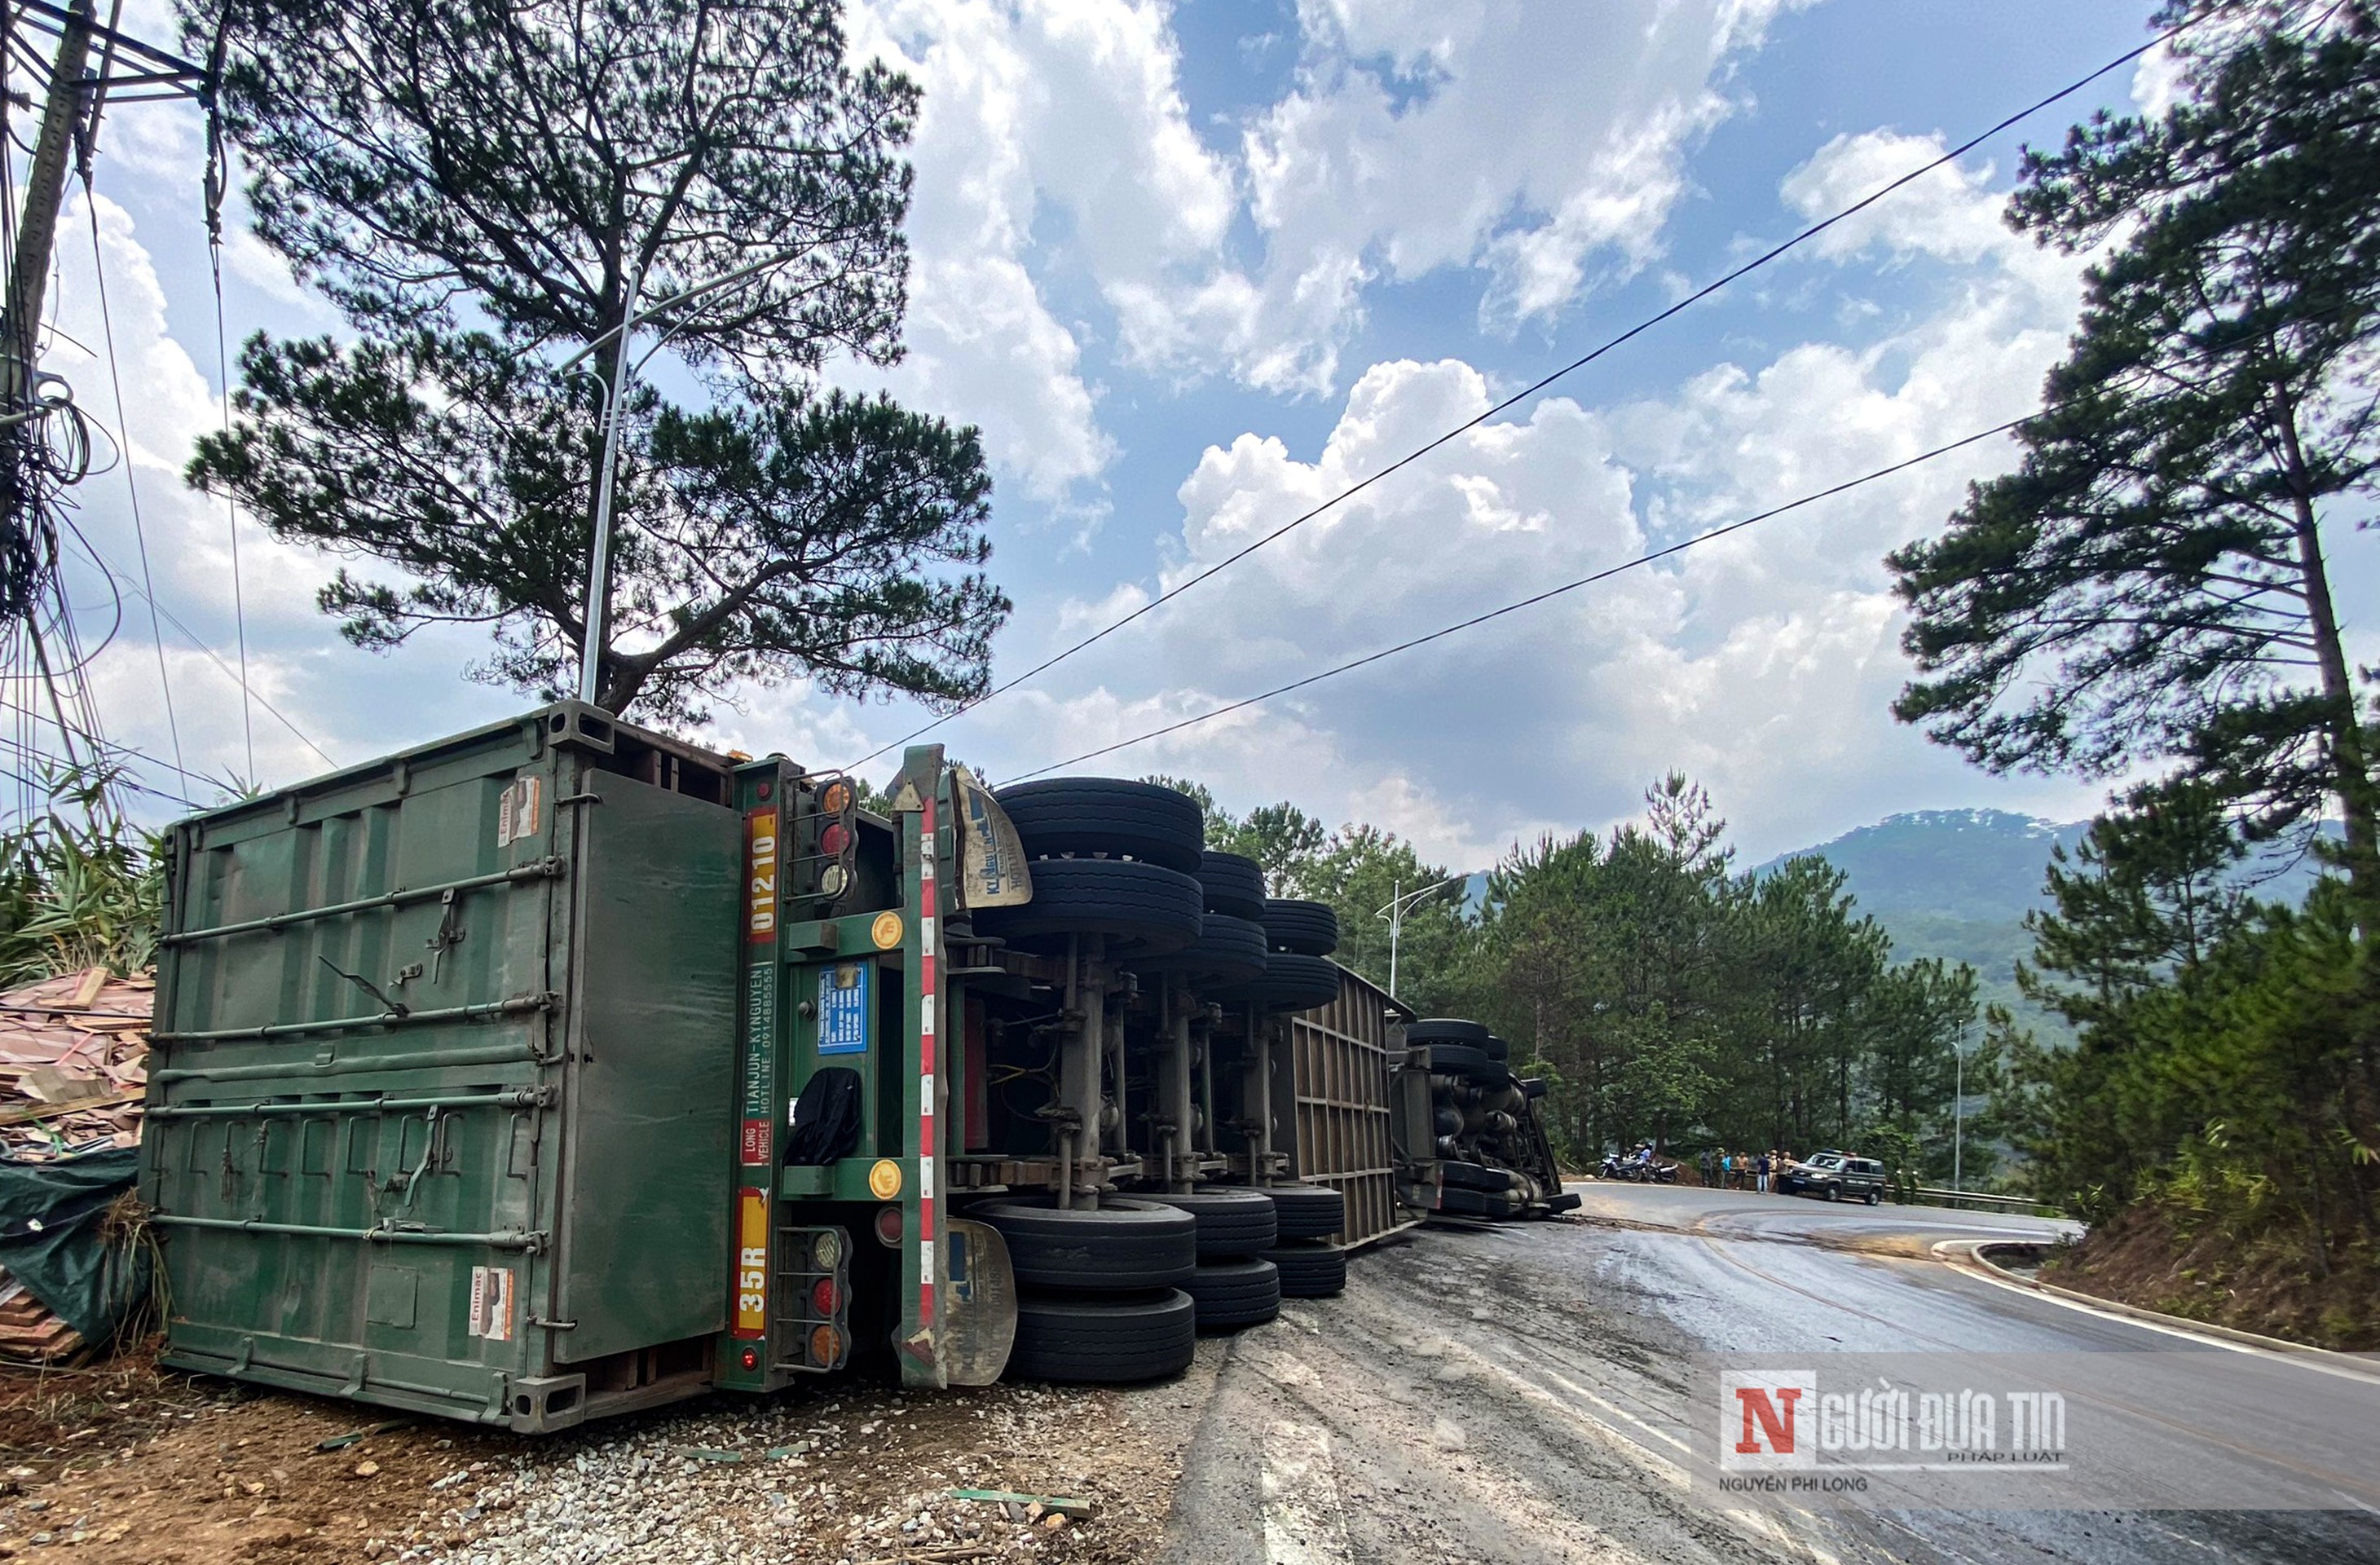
{"x": 1947, "y": 1252}
{"x": 1304, "y": 1521}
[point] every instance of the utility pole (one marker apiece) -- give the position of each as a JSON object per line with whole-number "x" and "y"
{"x": 45, "y": 190}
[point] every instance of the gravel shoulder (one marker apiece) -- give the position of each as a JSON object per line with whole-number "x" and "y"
{"x": 161, "y": 1469}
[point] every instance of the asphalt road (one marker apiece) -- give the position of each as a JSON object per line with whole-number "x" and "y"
{"x": 1523, "y": 1393}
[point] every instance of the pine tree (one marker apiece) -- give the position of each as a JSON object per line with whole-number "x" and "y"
{"x": 2152, "y": 582}
{"x": 483, "y": 187}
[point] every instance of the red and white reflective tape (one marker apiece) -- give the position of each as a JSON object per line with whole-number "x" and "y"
{"x": 928, "y": 979}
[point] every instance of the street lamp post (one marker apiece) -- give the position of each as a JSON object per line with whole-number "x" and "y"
{"x": 1959, "y": 1113}
{"x": 616, "y": 391}
{"x": 1395, "y": 914}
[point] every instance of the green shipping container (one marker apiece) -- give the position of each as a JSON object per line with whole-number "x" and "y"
{"x": 445, "y": 1076}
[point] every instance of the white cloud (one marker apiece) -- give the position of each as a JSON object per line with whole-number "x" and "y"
{"x": 1544, "y": 146}
{"x": 1028, "y": 110}
{"x": 1542, "y": 150}
{"x": 1765, "y": 657}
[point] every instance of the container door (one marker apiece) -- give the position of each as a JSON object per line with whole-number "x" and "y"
{"x": 650, "y": 1112}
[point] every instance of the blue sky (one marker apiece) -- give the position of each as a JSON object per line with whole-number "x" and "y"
{"x": 1192, "y": 267}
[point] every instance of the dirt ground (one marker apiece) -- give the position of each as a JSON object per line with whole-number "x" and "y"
{"x": 2267, "y": 1283}
{"x": 129, "y": 1463}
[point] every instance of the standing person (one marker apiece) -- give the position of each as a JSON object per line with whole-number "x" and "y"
{"x": 1726, "y": 1167}
{"x": 1705, "y": 1164}
{"x": 1760, "y": 1173}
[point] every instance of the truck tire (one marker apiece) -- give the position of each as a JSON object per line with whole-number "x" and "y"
{"x": 1125, "y": 1243}
{"x": 1231, "y": 1295}
{"x": 1148, "y": 909}
{"x": 1497, "y": 1049}
{"x": 1230, "y": 952}
{"x": 1290, "y": 983}
{"x": 1308, "y": 1211}
{"x": 1307, "y": 928}
{"x": 1234, "y": 885}
{"x": 1104, "y": 1340}
{"x": 1446, "y": 1029}
{"x": 1475, "y": 1176}
{"x": 1533, "y": 1088}
{"x": 1310, "y": 1271}
{"x": 1232, "y": 1224}
{"x": 1464, "y": 1060}
{"x": 1105, "y": 814}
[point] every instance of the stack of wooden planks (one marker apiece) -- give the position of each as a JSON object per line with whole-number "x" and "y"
{"x": 73, "y": 1061}
{"x": 30, "y": 1334}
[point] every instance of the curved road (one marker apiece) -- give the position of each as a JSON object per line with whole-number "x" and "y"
{"x": 1523, "y": 1393}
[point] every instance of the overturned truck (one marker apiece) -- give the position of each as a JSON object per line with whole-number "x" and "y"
{"x": 560, "y": 1068}
{"x": 1471, "y": 1139}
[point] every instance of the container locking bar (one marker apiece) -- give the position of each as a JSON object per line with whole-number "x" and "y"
{"x": 519, "y": 1004}
{"x": 549, "y": 868}
{"x": 508, "y": 1238}
{"x": 524, "y": 1098}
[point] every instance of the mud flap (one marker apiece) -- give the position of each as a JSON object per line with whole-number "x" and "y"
{"x": 993, "y": 870}
{"x": 978, "y": 1314}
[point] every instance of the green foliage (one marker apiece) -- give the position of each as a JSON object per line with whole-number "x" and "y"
{"x": 2151, "y": 584}
{"x": 1660, "y": 993}
{"x": 80, "y": 888}
{"x": 1679, "y": 1000}
{"x": 2227, "y": 1067}
{"x": 479, "y": 185}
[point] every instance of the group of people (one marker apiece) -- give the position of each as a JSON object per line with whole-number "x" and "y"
{"x": 1723, "y": 1170}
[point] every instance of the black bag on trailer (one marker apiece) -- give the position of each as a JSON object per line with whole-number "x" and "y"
{"x": 826, "y": 1118}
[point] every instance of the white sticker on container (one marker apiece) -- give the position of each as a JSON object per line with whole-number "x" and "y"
{"x": 517, "y": 809}
{"x": 492, "y": 1303}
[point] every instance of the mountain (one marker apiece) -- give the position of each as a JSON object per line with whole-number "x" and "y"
{"x": 1956, "y": 884}
{"x": 1976, "y": 866}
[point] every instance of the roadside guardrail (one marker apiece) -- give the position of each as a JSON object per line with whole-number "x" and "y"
{"x": 1928, "y": 1196}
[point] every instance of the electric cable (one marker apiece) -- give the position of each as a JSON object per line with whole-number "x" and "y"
{"x": 196, "y": 640}
{"x": 132, "y": 483}
{"x": 1534, "y": 599}
{"x": 238, "y": 601}
{"x": 120, "y": 747}
{"x": 2132, "y": 379}
{"x": 1526, "y": 393}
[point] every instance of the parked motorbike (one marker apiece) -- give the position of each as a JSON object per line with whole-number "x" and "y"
{"x": 1634, "y": 1172}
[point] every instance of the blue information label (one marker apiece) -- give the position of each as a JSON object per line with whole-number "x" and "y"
{"x": 843, "y": 1008}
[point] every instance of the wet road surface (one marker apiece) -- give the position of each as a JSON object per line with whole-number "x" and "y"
{"x": 1521, "y": 1393}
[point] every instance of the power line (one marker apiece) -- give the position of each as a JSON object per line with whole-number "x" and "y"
{"x": 115, "y": 744}
{"x": 1534, "y": 599}
{"x": 132, "y": 483}
{"x": 27, "y": 782}
{"x": 238, "y": 601}
{"x": 1531, "y": 389}
{"x": 194, "y": 639}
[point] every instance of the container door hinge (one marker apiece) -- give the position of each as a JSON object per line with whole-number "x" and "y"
{"x": 553, "y": 1325}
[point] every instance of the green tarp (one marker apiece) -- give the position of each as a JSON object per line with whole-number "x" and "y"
{"x": 50, "y": 1242}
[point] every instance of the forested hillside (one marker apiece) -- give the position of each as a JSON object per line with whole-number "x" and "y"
{"x": 1663, "y": 992}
